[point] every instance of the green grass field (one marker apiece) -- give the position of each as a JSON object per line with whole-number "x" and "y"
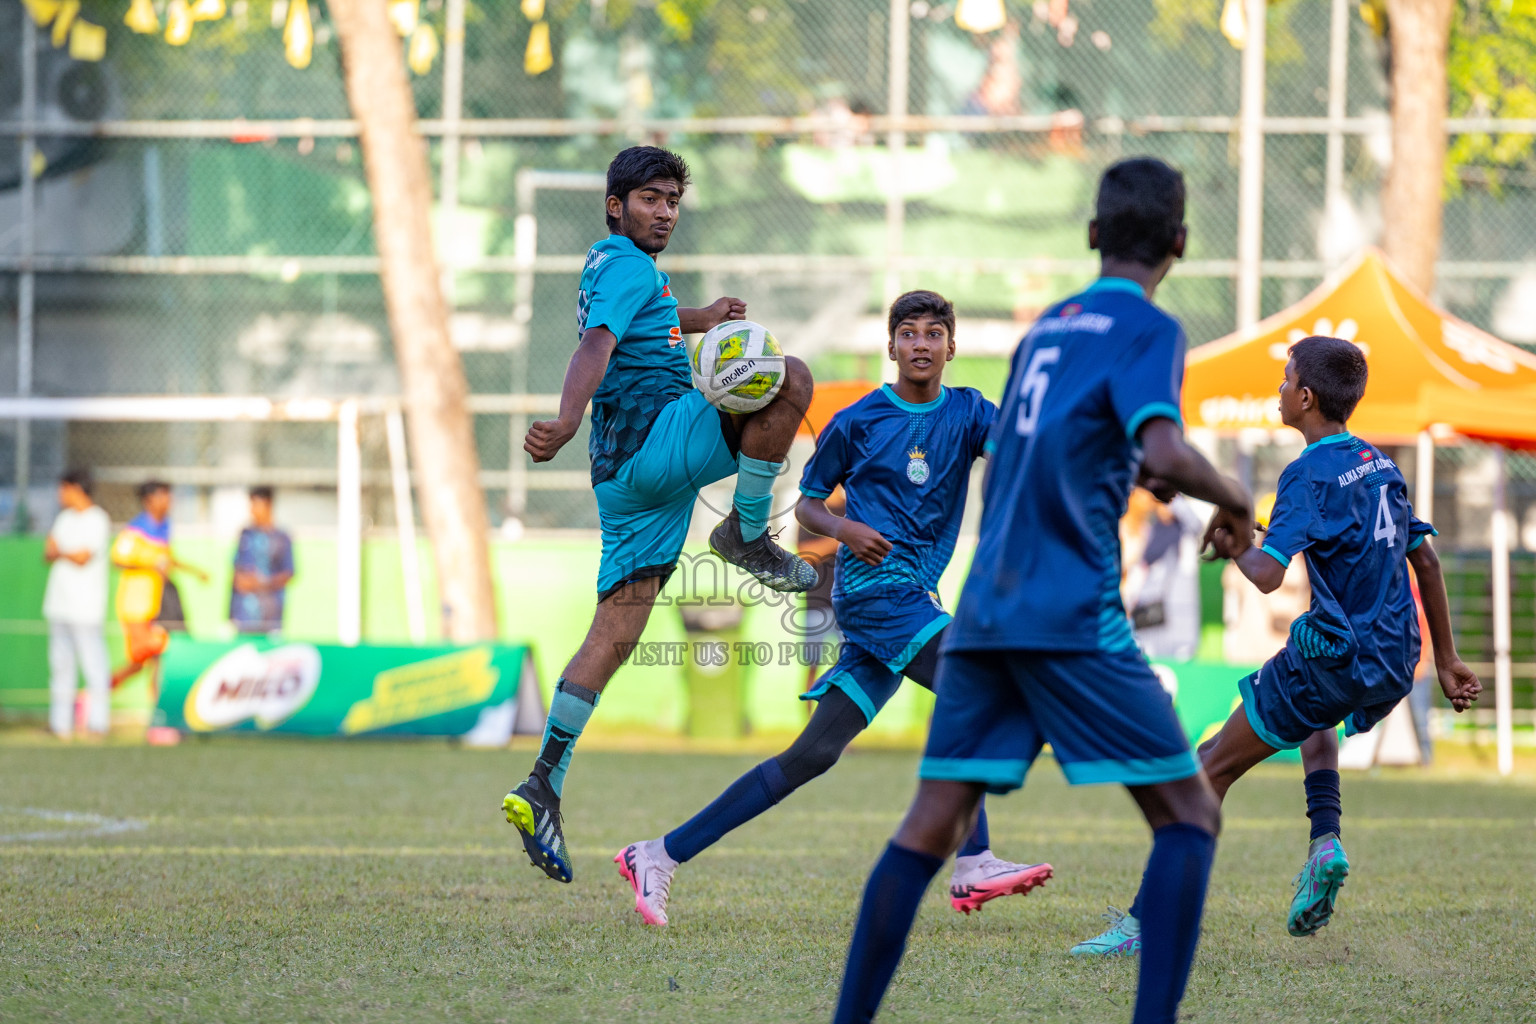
{"x": 287, "y": 881}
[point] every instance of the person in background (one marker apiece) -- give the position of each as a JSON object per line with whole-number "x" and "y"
{"x": 1163, "y": 581}
{"x": 263, "y": 569}
{"x": 143, "y": 553}
{"x": 75, "y": 605}
{"x": 1258, "y": 624}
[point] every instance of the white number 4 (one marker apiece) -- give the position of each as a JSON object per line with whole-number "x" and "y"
{"x": 1384, "y": 528}
{"x": 1032, "y": 388}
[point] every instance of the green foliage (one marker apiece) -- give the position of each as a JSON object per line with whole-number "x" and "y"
{"x": 1491, "y": 70}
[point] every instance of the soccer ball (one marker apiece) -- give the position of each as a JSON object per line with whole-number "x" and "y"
{"x": 739, "y": 366}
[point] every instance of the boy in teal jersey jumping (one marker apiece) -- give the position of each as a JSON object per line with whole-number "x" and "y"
{"x": 655, "y": 442}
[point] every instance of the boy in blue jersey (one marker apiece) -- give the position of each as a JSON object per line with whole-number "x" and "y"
{"x": 1349, "y": 658}
{"x": 655, "y": 442}
{"x": 1041, "y": 650}
{"x": 903, "y": 456}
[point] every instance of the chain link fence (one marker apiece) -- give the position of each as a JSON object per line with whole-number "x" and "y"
{"x": 201, "y": 223}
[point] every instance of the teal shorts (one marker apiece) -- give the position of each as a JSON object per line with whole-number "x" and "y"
{"x": 644, "y": 509}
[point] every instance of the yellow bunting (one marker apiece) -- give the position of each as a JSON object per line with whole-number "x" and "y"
{"x": 64, "y": 19}
{"x": 207, "y": 10}
{"x": 87, "y": 41}
{"x": 537, "y": 59}
{"x": 533, "y": 10}
{"x": 422, "y": 49}
{"x": 403, "y": 15}
{"x": 298, "y": 34}
{"x": 980, "y": 15}
{"x": 1234, "y": 23}
{"x": 42, "y": 11}
{"x": 178, "y": 23}
{"x": 141, "y": 17}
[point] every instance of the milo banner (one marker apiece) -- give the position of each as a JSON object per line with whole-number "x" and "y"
{"x": 481, "y": 694}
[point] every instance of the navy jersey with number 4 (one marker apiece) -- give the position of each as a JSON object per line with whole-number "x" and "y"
{"x": 623, "y": 290}
{"x": 905, "y": 469}
{"x": 1090, "y": 372}
{"x": 1344, "y": 507}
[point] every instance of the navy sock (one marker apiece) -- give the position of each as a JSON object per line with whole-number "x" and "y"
{"x": 1177, "y": 873}
{"x": 1135, "y": 910}
{"x": 891, "y": 898}
{"x": 980, "y": 840}
{"x": 1324, "y": 806}
{"x": 743, "y": 800}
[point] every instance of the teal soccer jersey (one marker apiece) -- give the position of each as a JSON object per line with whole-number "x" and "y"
{"x": 623, "y": 290}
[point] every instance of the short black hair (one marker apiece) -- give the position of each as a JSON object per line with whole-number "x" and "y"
{"x": 77, "y": 477}
{"x": 637, "y": 165}
{"x": 921, "y": 303}
{"x": 261, "y": 491}
{"x": 1140, "y": 209}
{"x": 1335, "y": 371}
{"x": 149, "y": 487}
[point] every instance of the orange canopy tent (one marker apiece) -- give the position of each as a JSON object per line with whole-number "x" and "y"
{"x": 1410, "y": 345}
{"x": 1427, "y": 368}
{"x": 829, "y": 398}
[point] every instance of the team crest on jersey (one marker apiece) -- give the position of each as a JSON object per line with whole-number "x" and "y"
{"x": 917, "y": 466}
{"x": 1071, "y": 309}
{"x": 666, "y": 291}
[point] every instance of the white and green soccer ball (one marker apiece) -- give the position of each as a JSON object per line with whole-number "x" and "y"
{"x": 739, "y": 366}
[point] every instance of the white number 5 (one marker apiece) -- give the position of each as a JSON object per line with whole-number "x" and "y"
{"x": 1032, "y": 388}
{"x": 1384, "y": 528}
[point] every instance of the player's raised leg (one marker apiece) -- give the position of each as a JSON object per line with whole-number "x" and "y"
{"x": 534, "y": 806}
{"x": 650, "y": 865}
{"x": 741, "y": 538}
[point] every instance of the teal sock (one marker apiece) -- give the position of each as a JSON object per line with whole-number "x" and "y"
{"x": 754, "y": 494}
{"x": 568, "y": 713}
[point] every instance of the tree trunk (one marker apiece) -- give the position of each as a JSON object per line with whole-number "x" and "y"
{"x": 1411, "y": 198}
{"x": 441, "y": 433}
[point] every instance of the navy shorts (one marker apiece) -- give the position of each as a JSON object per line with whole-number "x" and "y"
{"x": 880, "y": 639}
{"x": 1286, "y": 702}
{"x": 1104, "y": 713}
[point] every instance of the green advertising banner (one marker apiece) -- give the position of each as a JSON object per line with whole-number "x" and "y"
{"x": 1204, "y": 696}
{"x": 481, "y": 694}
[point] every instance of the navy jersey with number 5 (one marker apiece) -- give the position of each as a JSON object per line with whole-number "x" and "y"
{"x": 1343, "y": 505}
{"x": 1087, "y": 376}
{"x": 905, "y": 469}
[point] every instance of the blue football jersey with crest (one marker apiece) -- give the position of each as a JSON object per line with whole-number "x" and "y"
{"x": 1344, "y": 507}
{"x": 623, "y": 290}
{"x": 1046, "y": 575}
{"x": 905, "y": 470}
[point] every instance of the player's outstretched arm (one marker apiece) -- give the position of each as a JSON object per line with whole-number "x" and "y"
{"x": 1459, "y": 683}
{"x": 866, "y": 542}
{"x": 582, "y": 377}
{"x": 1169, "y": 463}
{"x": 1263, "y": 570}
{"x": 697, "y": 321}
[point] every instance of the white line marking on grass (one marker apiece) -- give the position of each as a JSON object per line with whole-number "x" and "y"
{"x": 100, "y": 825}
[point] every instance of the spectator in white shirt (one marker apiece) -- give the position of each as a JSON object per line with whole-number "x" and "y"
{"x": 75, "y": 605}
